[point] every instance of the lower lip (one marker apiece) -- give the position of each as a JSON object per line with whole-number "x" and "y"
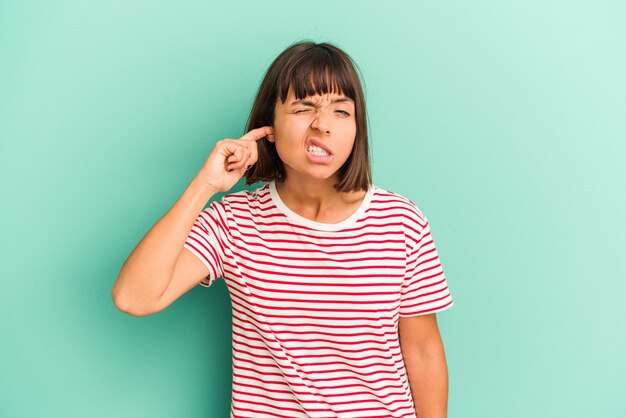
{"x": 319, "y": 159}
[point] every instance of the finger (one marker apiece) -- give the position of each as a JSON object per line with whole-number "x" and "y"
{"x": 239, "y": 158}
{"x": 254, "y": 155}
{"x": 238, "y": 147}
{"x": 258, "y": 133}
{"x": 245, "y": 156}
{"x": 239, "y": 165}
{"x": 234, "y": 153}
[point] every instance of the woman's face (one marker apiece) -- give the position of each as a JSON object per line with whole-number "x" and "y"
{"x": 327, "y": 120}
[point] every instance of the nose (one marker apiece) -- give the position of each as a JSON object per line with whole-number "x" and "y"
{"x": 320, "y": 121}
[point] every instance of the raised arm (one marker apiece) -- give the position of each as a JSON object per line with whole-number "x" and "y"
{"x": 160, "y": 269}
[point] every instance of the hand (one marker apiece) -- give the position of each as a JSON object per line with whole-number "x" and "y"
{"x": 228, "y": 161}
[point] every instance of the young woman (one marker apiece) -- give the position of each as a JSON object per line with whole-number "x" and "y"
{"x": 334, "y": 282}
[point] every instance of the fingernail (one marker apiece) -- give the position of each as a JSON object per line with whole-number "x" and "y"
{"x": 248, "y": 166}
{"x": 230, "y": 170}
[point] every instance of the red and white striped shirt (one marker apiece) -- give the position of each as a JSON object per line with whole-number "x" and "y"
{"x": 316, "y": 306}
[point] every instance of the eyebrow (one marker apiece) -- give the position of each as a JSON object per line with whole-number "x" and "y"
{"x": 310, "y": 103}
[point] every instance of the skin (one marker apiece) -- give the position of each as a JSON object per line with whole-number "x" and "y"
{"x": 425, "y": 362}
{"x": 308, "y": 188}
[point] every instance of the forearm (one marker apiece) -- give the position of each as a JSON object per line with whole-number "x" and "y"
{"x": 148, "y": 269}
{"x": 428, "y": 378}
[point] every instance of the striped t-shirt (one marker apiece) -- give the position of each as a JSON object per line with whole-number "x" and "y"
{"x": 315, "y": 306}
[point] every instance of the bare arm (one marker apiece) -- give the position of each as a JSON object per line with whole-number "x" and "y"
{"x": 160, "y": 269}
{"x": 425, "y": 361}
{"x": 148, "y": 270}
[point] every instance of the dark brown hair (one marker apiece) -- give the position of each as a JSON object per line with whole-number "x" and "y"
{"x": 310, "y": 68}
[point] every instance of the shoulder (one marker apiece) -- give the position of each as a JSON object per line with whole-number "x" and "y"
{"x": 407, "y": 213}
{"x": 232, "y": 208}
{"x": 402, "y": 205}
{"x": 243, "y": 199}
{"x": 247, "y": 195}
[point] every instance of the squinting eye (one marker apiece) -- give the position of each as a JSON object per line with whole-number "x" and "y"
{"x": 303, "y": 110}
{"x": 344, "y": 112}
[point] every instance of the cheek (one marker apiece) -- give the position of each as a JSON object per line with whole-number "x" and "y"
{"x": 287, "y": 128}
{"x": 348, "y": 131}
{"x": 352, "y": 130}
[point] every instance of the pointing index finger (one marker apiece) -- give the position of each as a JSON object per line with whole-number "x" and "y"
{"x": 258, "y": 133}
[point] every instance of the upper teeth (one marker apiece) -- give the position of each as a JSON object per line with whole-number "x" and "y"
{"x": 316, "y": 150}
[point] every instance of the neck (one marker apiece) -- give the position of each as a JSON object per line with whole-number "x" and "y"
{"x": 311, "y": 193}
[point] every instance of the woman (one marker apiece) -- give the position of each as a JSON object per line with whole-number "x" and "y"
{"x": 334, "y": 282}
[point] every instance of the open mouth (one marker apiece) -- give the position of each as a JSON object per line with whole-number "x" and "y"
{"x": 317, "y": 155}
{"x": 315, "y": 150}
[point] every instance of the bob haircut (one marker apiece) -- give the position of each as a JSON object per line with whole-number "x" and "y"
{"x": 310, "y": 68}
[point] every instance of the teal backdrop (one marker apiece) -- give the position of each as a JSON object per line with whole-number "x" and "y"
{"x": 503, "y": 121}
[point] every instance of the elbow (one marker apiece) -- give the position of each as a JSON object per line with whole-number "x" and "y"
{"x": 124, "y": 305}
{"x": 130, "y": 309}
{"x": 121, "y": 304}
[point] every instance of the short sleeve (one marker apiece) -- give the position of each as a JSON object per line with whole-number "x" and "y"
{"x": 425, "y": 288}
{"x": 207, "y": 239}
